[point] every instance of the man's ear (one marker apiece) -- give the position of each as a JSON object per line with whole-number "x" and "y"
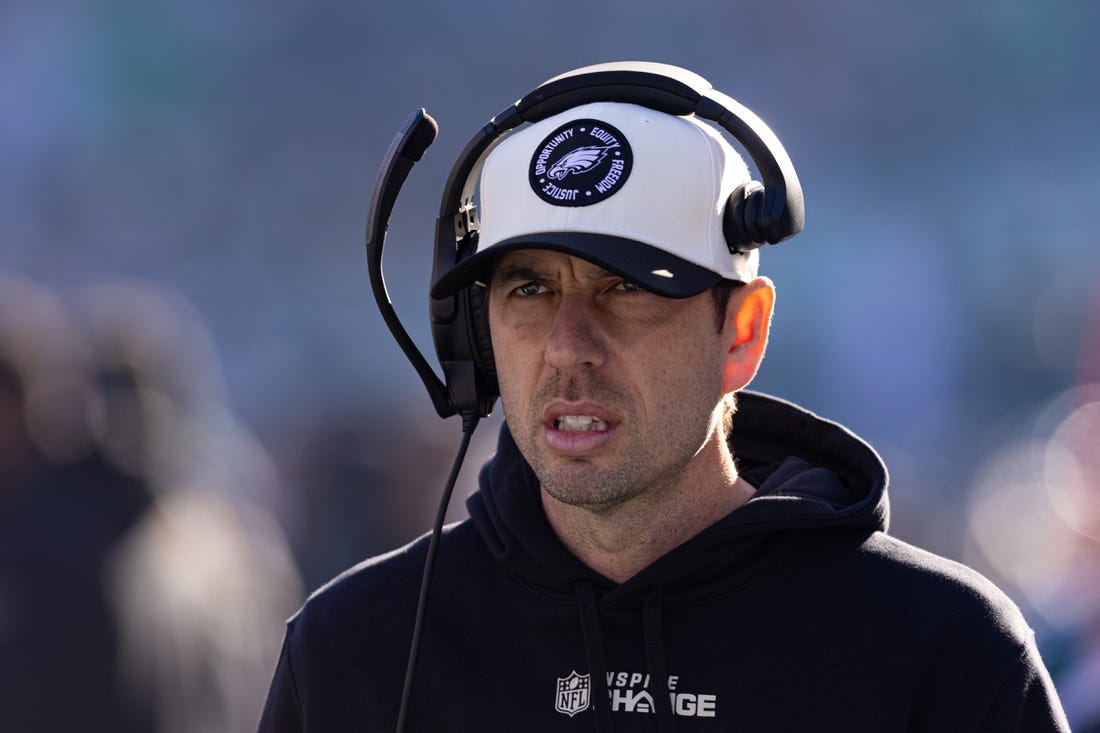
{"x": 748, "y": 318}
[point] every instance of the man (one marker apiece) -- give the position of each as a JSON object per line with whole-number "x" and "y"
{"x": 651, "y": 548}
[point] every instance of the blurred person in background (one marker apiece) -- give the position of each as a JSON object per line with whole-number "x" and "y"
{"x": 140, "y": 577}
{"x": 63, "y": 509}
{"x": 202, "y": 579}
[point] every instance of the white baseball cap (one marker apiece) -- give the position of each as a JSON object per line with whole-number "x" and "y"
{"x": 639, "y": 192}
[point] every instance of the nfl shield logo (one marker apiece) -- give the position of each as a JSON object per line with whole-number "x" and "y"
{"x": 573, "y": 693}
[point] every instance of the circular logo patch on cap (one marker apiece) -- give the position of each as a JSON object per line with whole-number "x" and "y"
{"x": 580, "y": 163}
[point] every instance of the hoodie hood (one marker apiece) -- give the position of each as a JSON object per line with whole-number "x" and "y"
{"x": 809, "y": 473}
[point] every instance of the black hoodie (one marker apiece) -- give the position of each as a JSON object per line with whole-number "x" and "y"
{"x": 796, "y": 612}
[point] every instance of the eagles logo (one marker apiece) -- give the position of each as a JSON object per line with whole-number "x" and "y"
{"x": 580, "y": 163}
{"x": 577, "y": 161}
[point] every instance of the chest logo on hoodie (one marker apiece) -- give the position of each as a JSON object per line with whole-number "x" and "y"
{"x": 581, "y": 163}
{"x": 630, "y": 692}
{"x": 574, "y": 694}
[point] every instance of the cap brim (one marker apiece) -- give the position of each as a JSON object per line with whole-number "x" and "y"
{"x": 644, "y": 265}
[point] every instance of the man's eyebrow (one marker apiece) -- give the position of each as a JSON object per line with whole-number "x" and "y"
{"x": 511, "y": 273}
{"x": 598, "y": 273}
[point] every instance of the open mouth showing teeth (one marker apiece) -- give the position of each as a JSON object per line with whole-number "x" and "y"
{"x": 580, "y": 423}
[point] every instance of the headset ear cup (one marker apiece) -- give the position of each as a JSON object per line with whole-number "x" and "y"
{"x": 481, "y": 341}
{"x": 741, "y": 219}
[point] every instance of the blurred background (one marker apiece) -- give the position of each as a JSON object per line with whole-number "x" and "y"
{"x": 203, "y": 417}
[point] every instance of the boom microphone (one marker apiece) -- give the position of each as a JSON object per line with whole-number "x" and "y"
{"x": 413, "y": 138}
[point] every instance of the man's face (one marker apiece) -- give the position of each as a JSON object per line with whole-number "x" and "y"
{"x": 609, "y": 391}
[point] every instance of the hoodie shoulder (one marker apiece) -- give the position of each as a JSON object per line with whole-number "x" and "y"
{"x": 972, "y": 638}
{"x": 322, "y": 668}
{"x": 346, "y": 649}
{"x": 372, "y": 600}
{"x": 953, "y": 603}
{"x": 371, "y": 604}
{"x": 381, "y": 588}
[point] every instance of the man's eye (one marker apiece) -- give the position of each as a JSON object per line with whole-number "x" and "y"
{"x": 532, "y": 288}
{"x": 628, "y": 286}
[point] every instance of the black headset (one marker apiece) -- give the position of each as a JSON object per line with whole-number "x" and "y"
{"x": 768, "y": 211}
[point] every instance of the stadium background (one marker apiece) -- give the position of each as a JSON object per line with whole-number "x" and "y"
{"x": 185, "y": 185}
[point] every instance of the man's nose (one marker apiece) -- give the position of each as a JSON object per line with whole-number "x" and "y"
{"x": 575, "y": 338}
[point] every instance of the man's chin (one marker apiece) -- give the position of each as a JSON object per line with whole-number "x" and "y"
{"x": 584, "y": 485}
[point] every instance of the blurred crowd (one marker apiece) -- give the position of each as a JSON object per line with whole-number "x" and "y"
{"x": 144, "y": 583}
{"x": 151, "y": 547}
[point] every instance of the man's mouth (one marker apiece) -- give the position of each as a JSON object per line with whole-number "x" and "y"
{"x": 580, "y": 424}
{"x": 577, "y": 430}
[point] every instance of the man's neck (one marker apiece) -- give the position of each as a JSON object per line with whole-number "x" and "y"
{"x": 620, "y": 540}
